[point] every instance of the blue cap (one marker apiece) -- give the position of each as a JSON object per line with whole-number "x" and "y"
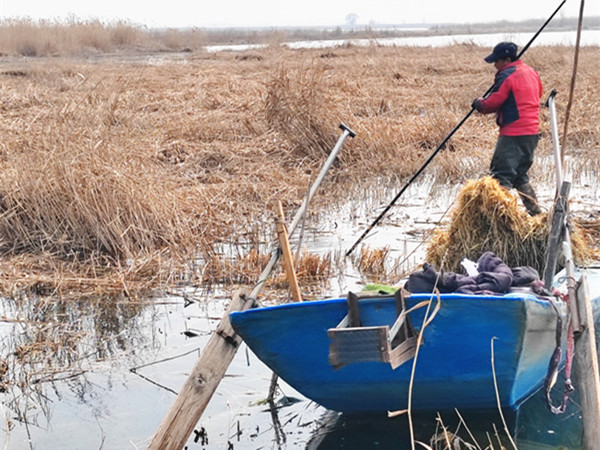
{"x": 502, "y": 51}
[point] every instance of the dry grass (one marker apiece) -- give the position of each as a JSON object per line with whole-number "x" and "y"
{"x": 487, "y": 217}
{"x": 371, "y": 263}
{"x": 126, "y": 171}
{"x": 313, "y": 268}
{"x": 91, "y": 37}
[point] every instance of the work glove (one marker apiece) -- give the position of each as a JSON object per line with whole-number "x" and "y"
{"x": 476, "y": 105}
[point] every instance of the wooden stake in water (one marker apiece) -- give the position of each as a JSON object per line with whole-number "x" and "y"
{"x": 587, "y": 368}
{"x": 286, "y": 253}
{"x": 198, "y": 389}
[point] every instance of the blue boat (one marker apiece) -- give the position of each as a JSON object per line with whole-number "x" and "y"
{"x": 477, "y": 351}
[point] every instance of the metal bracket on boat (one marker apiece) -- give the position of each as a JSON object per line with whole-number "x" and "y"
{"x": 350, "y": 342}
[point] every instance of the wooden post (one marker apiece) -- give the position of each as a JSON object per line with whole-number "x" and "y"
{"x": 588, "y": 372}
{"x": 198, "y": 389}
{"x": 286, "y": 253}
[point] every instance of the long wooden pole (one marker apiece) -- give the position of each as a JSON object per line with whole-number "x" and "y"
{"x": 587, "y": 368}
{"x": 288, "y": 265}
{"x": 198, "y": 389}
{"x": 573, "y": 78}
{"x": 586, "y": 350}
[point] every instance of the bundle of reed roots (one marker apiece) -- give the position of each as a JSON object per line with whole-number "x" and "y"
{"x": 488, "y": 217}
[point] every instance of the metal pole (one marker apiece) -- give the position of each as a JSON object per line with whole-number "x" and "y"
{"x": 346, "y": 132}
{"x": 555, "y": 141}
{"x": 446, "y": 139}
{"x": 277, "y": 253}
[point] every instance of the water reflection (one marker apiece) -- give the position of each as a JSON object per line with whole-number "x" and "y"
{"x": 45, "y": 341}
{"x": 531, "y": 427}
{"x": 96, "y": 399}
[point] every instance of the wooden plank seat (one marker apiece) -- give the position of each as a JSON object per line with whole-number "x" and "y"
{"x": 350, "y": 342}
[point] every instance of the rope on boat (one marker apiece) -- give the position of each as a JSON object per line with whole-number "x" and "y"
{"x": 554, "y": 365}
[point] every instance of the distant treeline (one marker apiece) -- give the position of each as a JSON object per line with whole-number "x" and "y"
{"x": 84, "y": 37}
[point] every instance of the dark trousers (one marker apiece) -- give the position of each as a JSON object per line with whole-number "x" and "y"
{"x": 512, "y": 159}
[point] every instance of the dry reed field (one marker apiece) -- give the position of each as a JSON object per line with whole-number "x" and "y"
{"x": 125, "y": 174}
{"x": 122, "y": 175}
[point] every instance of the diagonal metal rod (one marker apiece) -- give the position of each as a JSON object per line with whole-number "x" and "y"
{"x": 444, "y": 142}
{"x": 276, "y": 253}
{"x": 550, "y": 103}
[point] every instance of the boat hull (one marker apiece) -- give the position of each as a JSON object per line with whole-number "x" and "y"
{"x": 453, "y": 368}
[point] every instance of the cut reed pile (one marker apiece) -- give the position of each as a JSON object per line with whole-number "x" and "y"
{"x": 487, "y": 217}
{"x": 127, "y": 171}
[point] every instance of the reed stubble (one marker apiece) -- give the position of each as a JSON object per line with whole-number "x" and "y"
{"x": 125, "y": 171}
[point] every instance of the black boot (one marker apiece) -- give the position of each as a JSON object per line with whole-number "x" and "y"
{"x": 529, "y": 199}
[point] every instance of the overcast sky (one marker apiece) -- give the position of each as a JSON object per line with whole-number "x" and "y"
{"x": 280, "y": 13}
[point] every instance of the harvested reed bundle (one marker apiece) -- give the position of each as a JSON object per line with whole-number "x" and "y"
{"x": 488, "y": 217}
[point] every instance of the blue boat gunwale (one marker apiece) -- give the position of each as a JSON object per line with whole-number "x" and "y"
{"x": 510, "y": 296}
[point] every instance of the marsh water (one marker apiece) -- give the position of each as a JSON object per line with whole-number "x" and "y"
{"x": 132, "y": 357}
{"x": 588, "y": 37}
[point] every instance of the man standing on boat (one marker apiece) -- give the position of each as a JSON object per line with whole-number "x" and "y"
{"x": 515, "y": 98}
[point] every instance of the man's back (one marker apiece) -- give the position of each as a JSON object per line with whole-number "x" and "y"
{"x": 516, "y": 100}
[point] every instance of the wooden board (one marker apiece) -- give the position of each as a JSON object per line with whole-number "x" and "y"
{"x": 198, "y": 389}
{"x": 588, "y": 373}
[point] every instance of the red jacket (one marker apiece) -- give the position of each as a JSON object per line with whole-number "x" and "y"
{"x": 515, "y": 98}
